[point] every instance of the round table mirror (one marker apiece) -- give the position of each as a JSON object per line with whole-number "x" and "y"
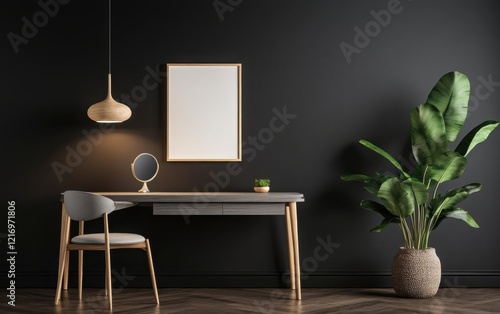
{"x": 144, "y": 168}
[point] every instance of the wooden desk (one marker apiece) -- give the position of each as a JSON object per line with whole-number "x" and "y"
{"x": 223, "y": 203}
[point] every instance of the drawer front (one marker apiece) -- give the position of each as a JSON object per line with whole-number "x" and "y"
{"x": 187, "y": 209}
{"x": 253, "y": 208}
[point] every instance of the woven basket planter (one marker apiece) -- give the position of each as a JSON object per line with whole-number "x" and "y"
{"x": 416, "y": 273}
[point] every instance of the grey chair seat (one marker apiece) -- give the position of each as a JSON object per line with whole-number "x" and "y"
{"x": 114, "y": 238}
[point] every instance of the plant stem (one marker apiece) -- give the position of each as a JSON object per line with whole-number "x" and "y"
{"x": 405, "y": 235}
{"x": 413, "y": 221}
{"x": 423, "y": 222}
{"x": 425, "y": 173}
{"x": 436, "y": 189}
{"x": 406, "y": 230}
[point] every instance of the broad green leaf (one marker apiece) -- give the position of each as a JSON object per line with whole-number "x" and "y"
{"x": 452, "y": 198}
{"x": 428, "y": 133}
{"x": 457, "y": 213}
{"x": 447, "y": 167}
{"x": 376, "y": 208}
{"x": 396, "y": 199}
{"x": 372, "y": 189}
{"x": 383, "y": 153}
{"x": 385, "y": 223}
{"x": 475, "y": 136}
{"x": 357, "y": 177}
{"x": 462, "y": 215}
{"x": 373, "y": 183}
{"x": 434, "y": 205}
{"x": 450, "y": 96}
{"x": 455, "y": 196}
{"x": 469, "y": 188}
{"x": 417, "y": 189}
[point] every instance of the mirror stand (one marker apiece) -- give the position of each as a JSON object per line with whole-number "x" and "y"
{"x": 144, "y": 188}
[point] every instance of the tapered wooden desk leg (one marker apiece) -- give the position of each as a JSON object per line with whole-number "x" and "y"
{"x": 291, "y": 253}
{"x": 295, "y": 235}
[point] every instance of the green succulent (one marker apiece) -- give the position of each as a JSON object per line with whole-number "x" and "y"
{"x": 262, "y": 182}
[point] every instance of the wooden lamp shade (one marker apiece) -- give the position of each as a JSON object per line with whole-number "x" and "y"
{"x": 109, "y": 110}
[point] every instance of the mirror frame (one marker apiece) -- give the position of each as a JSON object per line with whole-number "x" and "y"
{"x": 144, "y": 188}
{"x": 203, "y": 116}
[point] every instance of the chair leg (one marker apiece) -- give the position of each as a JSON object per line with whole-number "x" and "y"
{"x": 108, "y": 262}
{"x": 152, "y": 271}
{"x": 62, "y": 266}
{"x": 80, "y": 263}
{"x": 80, "y": 274}
{"x": 62, "y": 253}
{"x": 66, "y": 271}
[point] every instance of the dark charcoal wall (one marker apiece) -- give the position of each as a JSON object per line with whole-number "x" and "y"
{"x": 291, "y": 56}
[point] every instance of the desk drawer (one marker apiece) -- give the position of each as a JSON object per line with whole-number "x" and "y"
{"x": 180, "y": 209}
{"x": 253, "y": 208}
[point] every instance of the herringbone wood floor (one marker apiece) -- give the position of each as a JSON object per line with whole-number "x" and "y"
{"x": 266, "y": 301}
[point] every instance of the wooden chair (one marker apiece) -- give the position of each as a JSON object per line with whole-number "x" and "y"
{"x": 83, "y": 206}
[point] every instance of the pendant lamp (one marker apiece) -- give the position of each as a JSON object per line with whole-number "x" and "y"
{"x": 109, "y": 110}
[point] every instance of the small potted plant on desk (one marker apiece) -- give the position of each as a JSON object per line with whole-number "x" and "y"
{"x": 261, "y": 185}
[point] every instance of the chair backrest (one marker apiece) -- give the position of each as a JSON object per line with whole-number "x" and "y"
{"x": 86, "y": 206}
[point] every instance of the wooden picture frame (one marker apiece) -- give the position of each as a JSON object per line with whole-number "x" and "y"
{"x": 203, "y": 112}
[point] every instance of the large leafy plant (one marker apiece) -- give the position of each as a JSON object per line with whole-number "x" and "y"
{"x": 411, "y": 200}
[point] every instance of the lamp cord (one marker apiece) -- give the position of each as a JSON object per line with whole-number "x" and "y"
{"x": 109, "y": 37}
